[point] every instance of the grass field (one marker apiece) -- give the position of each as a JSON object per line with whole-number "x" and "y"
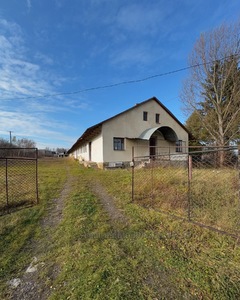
{"x": 210, "y": 197}
{"x": 20, "y": 176}
{"x": 152, "y": 256}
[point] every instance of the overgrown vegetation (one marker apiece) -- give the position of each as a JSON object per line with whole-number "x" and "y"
{"x": 210, "y": 197}
{"x": 152, "y": 256}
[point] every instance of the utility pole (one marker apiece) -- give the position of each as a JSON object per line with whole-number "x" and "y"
{"x": 10, "y": 132}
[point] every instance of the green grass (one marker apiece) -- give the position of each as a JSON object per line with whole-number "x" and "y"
{"x": 19, "y": 228}
{"x": 21, "y": 179}
{"x": 153, "y": 257}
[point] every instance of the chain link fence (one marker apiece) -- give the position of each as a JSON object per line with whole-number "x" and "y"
{"x": 202, "y": 186}
{"x": 18, "y": 178}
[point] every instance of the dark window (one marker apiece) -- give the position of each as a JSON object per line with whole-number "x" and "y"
{"x": 158, "y": 118}
{"x": 145, "y": 116}
{"x": 118, "y": 143}
{"x": 179, "y": 146}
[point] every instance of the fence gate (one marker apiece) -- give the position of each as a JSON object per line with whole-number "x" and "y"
{"x": 18, "y": 178}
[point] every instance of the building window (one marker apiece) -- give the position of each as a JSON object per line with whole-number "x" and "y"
{"x": 118, "y": 143}
{"x": 145, "y": 116}
{"x": 157, "y": 116}
{"x": 179, "y": 146}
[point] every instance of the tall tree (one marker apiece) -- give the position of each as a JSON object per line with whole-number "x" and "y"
{"x": 212, "y": 90}
{"x": 194, "y": 125}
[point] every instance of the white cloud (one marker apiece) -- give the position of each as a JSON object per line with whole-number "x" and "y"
{"x": 44, "y": 58}
{"x": 132, "y": 55}
{"x": 34, "y": 125}
{"x": 141, "y": 19}
{"x": 18, "y": 75}
{"x": 22, "y": 78}
{"x": 29, "y": 4}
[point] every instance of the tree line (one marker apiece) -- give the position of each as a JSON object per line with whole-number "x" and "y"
{"x": 9, "y": 148}
{"x": 17, "y": 143}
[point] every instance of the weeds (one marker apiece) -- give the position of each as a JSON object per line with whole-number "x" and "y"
{"x": 154, "y": 256}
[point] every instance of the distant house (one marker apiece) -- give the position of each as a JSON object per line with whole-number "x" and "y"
{"x": 148, "y": 126}
{"x": 46, "y": 153}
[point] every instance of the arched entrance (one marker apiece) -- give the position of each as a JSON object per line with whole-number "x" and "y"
{"x": 151, "y": 134}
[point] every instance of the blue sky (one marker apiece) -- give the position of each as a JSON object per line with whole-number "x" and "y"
{"x": 51, "y": 49}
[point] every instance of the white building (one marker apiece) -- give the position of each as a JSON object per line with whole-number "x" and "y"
{"x": 149, "y": 127}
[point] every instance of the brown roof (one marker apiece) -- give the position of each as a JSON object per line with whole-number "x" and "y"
{"x": 96, "y": 129}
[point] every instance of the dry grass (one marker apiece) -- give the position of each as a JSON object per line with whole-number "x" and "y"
{"x": 211, "y": 197}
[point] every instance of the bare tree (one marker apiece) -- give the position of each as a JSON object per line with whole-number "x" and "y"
{"x": 25, "y": 143}
{"x": 212, "y": 90}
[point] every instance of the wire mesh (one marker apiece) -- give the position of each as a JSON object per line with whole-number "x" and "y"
{"x": 18, "y": 178}
{"x": 200, "y": 186}
{"x": 214, "y": 189}
{"x": 162, "y": 183}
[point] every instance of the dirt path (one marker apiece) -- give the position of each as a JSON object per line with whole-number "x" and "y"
{"x": 31, "y": 286}
{"x": 115, "y": 215}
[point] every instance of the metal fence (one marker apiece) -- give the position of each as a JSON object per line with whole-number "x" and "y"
{"x": 201, "y": 186}
{"x": 18, "y": 178}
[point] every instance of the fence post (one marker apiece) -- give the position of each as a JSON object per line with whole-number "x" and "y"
{"x": 189, "y": 185}
{"x": 238, "y": 190}
{"x": 152, "y": 183}
{"x": 36, "y": 167}
{"x": 7, "y": 202}
{"x": 132, "y": 165}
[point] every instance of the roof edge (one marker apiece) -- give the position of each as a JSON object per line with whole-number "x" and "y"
{"x": 89, "y": 129}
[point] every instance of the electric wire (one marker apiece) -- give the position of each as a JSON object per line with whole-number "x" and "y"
{"x": 123, "y": 82}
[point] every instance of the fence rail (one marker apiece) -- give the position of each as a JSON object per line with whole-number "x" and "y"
{"x": 18, "y": 178}
{"x": 201, "y": 186}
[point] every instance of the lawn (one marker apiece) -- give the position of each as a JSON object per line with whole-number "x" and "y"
{"x": 152, "y": 256}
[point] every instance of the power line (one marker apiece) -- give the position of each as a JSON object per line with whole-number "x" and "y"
{"x": 124, "y": 82}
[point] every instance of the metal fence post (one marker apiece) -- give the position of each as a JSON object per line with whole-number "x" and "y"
{"x": 239, "y": 190}
{"x": 7, "y": 202}
{"x": 189, "y": 185}
{"x": 132, "y": 165}
{"x": 37, "y": 175}
{"x": 152, "y": 185}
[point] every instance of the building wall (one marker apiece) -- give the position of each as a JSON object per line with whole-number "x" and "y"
{"x": 97, "y": 149}
{"x": 130, "y": 125}
{"x": 83, "y": 152}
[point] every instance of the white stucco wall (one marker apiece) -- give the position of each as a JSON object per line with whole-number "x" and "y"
{"x": 130, "y": 125}
{"x": 97, "y": 149}
{"x": 83, "y": 152}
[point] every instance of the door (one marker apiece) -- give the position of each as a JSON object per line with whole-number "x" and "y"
{"x": 90, "y": 150}
{"x": 152, "y": 147}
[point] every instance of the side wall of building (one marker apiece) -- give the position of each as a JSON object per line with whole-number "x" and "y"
{"x": 90, "y": 151}
{"x": 97, "y": 149}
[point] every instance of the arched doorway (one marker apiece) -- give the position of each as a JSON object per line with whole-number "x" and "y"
{"x": 155, "y": 135}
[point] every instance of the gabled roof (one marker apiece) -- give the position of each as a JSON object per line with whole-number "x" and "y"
{"x": 96, "y": 129}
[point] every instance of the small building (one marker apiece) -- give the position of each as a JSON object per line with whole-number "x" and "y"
{"x": 148, "y": 126}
